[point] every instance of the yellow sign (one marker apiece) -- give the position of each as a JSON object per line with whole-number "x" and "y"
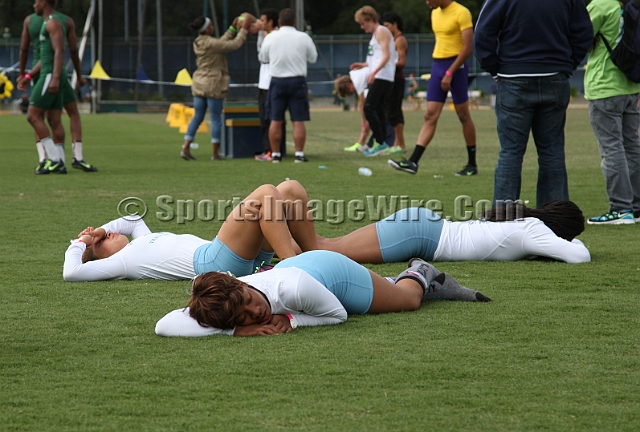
{"x": 98, "y": 72}
{"x": 183, "y": 78}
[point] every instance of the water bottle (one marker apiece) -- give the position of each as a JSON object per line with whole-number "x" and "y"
{"x": 365, "y": 172}
{"x": 194, "y": 145}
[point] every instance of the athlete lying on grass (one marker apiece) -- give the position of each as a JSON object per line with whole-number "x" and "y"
{"x": 511, "y": 233}
{"x": 245, "y": 240}
{"x": 311, "y": 289}
{"x": 248, "y": 239}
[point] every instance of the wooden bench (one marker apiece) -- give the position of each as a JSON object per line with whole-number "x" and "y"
{"x": 242, "y": 137}
{"x": 241, "y": 134}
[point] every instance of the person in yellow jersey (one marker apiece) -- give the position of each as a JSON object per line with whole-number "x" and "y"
{"x": 453, "y": 29}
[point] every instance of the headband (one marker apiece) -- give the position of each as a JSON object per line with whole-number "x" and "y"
{"x": 207, "y": 23}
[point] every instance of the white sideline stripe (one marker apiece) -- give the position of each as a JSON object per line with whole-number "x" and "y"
{"x": 47, "y": 81}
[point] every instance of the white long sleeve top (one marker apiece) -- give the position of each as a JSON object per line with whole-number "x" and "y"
{"x": 289, "y": 291}
{"x": 506, "y": 241}
{"x": 163, "y": 255}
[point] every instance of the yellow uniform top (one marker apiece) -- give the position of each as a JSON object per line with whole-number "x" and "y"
{"x": 447, "y": 25}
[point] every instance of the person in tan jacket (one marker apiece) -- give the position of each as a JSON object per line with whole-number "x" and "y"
{"x": 211, "y": 79}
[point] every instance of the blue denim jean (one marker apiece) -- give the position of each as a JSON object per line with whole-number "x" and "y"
{"x": 200, "y": 105}
{"x": 537, "y": 105}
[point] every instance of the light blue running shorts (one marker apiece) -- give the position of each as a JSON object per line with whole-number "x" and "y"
{"x": 346, "y": 279}
{"x": 216, "y": 256}
{"x": 408, "y": 233}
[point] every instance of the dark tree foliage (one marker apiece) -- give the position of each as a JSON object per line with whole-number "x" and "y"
{"x": 324, "y": 16}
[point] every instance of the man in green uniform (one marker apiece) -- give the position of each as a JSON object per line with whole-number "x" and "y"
{"x": 31, "y": 34}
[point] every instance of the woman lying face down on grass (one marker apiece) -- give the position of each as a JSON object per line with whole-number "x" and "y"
{"x": 509, "y": 233}
{"x": 245, "y": 240}
{"x": 314, "y": 288}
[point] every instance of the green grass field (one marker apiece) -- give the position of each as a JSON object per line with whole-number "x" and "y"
{"x": 557, "y": 349}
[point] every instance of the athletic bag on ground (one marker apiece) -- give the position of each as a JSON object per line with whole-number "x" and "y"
{"x": 626, "y": 54}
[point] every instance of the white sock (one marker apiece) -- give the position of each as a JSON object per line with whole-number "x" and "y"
{"x": 275, "y": 154}
{"x": 60, "y": 148}
{"x": 50, "y": 149}
{"x": 77, "y": 150}
{"x": 42, "y": 155}
{"x": 300, "y": 153}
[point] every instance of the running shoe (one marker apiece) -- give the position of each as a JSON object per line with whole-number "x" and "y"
{"x": 266, "y": 157}
{"x": 352, "y": 148}
{"x": 405, "y": 165}
{"x": 42, "y": 167}
{"x": 468, "y": 170}
{"x": 84, "y": 166}
{"x": 276, "y": 159}
{"x": 56, "y": 167}
{"x": 396, "y": 150}
{"x": 187, "y": 156}
{"x": 377, "y": 149}
{"x": 300, "y": 159}
{"x": 622, "y": 217}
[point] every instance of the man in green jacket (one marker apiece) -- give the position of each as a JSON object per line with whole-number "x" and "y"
{"x": 615, "y": 118}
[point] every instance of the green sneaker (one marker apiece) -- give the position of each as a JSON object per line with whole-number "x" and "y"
{"x": 43, "y": 167}
{"x": 404, "y": 165}
{"x": 86, "y": 167}
{"x": 396, "y": 150}
{"x": 468, "y": 170}
{"x": 56, "y": 167}
{"x": 353, "y": 148}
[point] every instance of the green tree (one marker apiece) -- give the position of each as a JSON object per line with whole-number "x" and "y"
{"x": 324, "y": 17}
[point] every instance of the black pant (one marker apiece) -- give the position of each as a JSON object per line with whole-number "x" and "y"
{"x": 394, "y": 107}
{"x": 265, "y": 122}
{"x": 375, "y": 108}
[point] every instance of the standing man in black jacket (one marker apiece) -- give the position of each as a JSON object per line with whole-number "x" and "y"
{"x": 531, "y": 48}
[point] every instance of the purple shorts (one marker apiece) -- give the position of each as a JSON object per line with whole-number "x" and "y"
{"x": 459, "y": 83}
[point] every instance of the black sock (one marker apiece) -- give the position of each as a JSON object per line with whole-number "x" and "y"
{"x": 471, "y": 151}
{"x": 417, "y": 154}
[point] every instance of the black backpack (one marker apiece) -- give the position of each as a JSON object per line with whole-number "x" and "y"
{"x": 626, "y": 55}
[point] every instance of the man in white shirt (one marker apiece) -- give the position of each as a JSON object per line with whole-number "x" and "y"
{"x": 288, "y": 51}
{"x": 268, "y": 22}
{"x": 381, "y": 63}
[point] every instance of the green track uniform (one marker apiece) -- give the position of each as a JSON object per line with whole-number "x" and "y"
{"x": 35, "y": 25}
{"x": 40, "y": 96}
{"x": 68, "y": 94}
